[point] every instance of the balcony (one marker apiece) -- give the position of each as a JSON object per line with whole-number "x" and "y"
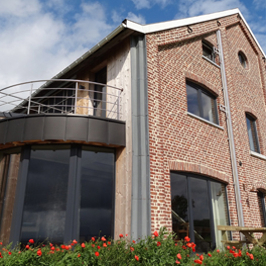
{"x": 64, "y": 110}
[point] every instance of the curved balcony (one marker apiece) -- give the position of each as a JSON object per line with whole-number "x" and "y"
{"x": 62, "y": 110}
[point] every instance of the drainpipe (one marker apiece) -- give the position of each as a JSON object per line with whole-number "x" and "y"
{"x": 230, "y": 133}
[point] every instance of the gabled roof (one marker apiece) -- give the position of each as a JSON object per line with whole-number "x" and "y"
{"x": 155, "y": 27}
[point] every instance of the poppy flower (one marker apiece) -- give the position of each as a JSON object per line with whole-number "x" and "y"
{"x": 158, "y": 243}
{"x": 104, "y": 245}
{"x": 109, "y": 243}
{"x": 74, "y": 242}
{"x": 184, "y": 247}
{"x": 187, "y": 239}
{"x": 63, "y": 246}
{"x": 93, "y": 245}
{"x": 51, "y": 244}
{"x": 99, "y": 247}
{"x": 97, "y": 253}
{"x": 136, "y": 258}
{"x": 201, "y": 257}
{"x": 210, "y": 255}
{"x": 198, "y": 261}
{"x": 27, "y": 246}
{"x": 121, "y": 235}
{"x": 228, "y": 247}
{"x": 83, "y": 245}
{"x": 218, "y": 251}
{"x": 177, "y": 262}
{"x": 1, "y": 243}
{"x": 52, "y": 248}
{"x": 103, "y": 238}
{"x": 251, "y": 256}
{"x": 39, "y": 252}
{"x": 93, "y": 239}
{"x": 189, "y": 245}
{"x": 9, "y": 253}
{"x": 132, "y": 249}
{"x": 78, "y": 255}
{"x": 155, "y": 234}
{"x": 31, "y": 241}
{"x": 179, "y": 256}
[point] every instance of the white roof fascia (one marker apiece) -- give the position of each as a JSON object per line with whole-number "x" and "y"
{"x": 161, "y": 26}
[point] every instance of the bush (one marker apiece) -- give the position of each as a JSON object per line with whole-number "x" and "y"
{"x": 158, "y": 249}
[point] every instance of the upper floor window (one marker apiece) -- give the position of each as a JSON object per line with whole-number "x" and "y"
{"x": 252, "y": 133}
{"x": 242, "y": 59}
{"x": 208, "y": 51}
{"x": 201, "y": 102}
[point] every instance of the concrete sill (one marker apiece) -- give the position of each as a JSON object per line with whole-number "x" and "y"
{"x": 204, "y": 120}
{"x": 258, "y": 155}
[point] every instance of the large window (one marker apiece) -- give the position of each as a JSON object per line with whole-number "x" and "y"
{"x": 252, "y": 133}
{"x": 64, "y": 193}
{"x": 201, "y": 103}
{"x": 198, "y": 206}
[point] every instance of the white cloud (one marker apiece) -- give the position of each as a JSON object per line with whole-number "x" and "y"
{"x": 140, "y": 4}
{"x": 40, "y": 44}
{"x": 260, "y": 4}
{"x": 138, "y": 19}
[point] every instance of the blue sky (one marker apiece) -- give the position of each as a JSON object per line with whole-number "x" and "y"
{"x": 39, "y": 38}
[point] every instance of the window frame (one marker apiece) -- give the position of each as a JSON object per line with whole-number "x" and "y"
{"x": 200, "y": 91}
{"x": 73, "y": 190}
{"x": 208, "y": 48}
{"x": 242, "y": 59}
{"x": 188, "y": 177}
{"x": 254, "y": 133}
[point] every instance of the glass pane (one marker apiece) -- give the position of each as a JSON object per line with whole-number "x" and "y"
{"x": 192, "y": 100}
{"x": 220, "y": 212}
{"x": 201, "y": 214}
{"x": 46, "y": 195}
{"x": 250, "y": 134}
{"x": 179, "y": 205}
{"x": 208, "y": 108}
{"x": 96, "y": 205}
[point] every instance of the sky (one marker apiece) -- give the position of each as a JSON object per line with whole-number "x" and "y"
{"x": 39, "y": 38}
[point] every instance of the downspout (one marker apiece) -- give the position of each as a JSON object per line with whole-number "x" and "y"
{"x": 230, "y": 133}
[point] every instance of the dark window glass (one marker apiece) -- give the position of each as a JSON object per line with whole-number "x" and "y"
{"x": 262, "y": 207}
{"x": 242, "y": 59}
{"x": 46, "y": 196}
{"x": 252, "y": 134}
{"x": 201, "y": 103}
{"x": 208, "y": 51}
{"x": 199, "y": 205}
{"x": 97, "y": 186}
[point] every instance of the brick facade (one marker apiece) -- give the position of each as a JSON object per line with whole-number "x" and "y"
{"x": 180, "y": 142}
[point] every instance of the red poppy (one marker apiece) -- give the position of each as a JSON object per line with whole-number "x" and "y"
{"x": 132, "y": 249}
{"x": 187, "y": 239}
{"x": 218, "y": 250}
{"x": 155, "y": 234}
{"x": 104, "y": 245}
{"x": 158, "y": 243}
{"x": 93, "y": 245}
{"x": 9, "y": 253}
{"x": 31, "y": 241}
{"x": 74, "y": 242}
{"x": 63, "y": 246}
{"x": 99, "y": 247}
{"x": 136, "y": 257}
{"x": 1, "y": 243}
{"x": 251, "y": 256}
{"x": 78, "y": 255}
{"x": 97, "y": 253}
{"x": 27, "y": 246}
{"x": 189, "y": 245}
{"x": 201, "y": 257}
{"x": 235, "y": 255}
{"x": 83, "y": 245}
{"x": 177, "y": 262}
{"x": 51, "y": 244}
{"x": 121, "y": 235}
{"x": 52, "y": 248}
{"x": 133, "y": 241}
{"x": 103, "y": 238}
{"x": 179, "y": 256}
{"x": 57, "y": 249}
{"x": 198, "y": 261}
{"x": 228, "y": 247}
{"x": 184, "y": 247}
{"x": 93, "y": 239}
{"x": 39, "y": 252}
{"x": 210, "y": 255}
{"x": 109, "y": 243}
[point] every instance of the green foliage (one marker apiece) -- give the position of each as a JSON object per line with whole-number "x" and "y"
{"x": 158, "y": 249}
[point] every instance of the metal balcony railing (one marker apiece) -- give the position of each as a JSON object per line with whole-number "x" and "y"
{"x": 65, "y": 96}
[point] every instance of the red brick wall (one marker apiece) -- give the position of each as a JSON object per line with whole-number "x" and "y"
{"x": 178, "y": 140}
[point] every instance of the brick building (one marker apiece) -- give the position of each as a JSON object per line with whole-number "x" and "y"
{"x": 157, "y": 125}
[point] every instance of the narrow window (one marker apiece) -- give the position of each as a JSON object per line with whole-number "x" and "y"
{"x": 252, "y": 134}
{"x": 208, "y": 51}
{"x": 261, "y": 196}
{"x": 201, "y": 103}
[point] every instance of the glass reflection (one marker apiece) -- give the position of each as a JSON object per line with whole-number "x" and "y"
{"x": 179, "y": 205}
{"x": 207, "y": 107}
{"x": 192, "y": 100}
{"x": 45, "y": 197}
{"x": 96, "y": 206}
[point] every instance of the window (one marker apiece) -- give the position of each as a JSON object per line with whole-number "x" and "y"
{"x": 208, "y": 51}
{"x": 252, "y": 134}
{"x": 242, "y": 59}
{"x": 198, "y": 206}
{"x": 201, "y": 103}
{"x": 261, "y": 196}
{"x": 69, "y": 194}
